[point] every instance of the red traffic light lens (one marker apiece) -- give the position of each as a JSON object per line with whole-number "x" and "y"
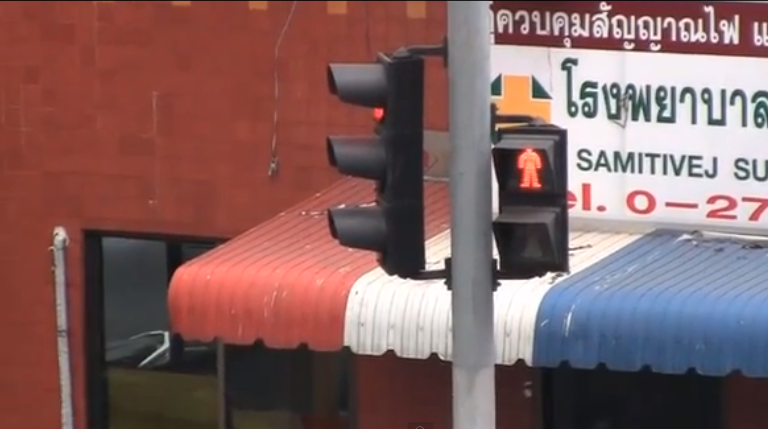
{"x": 378, "y": 114}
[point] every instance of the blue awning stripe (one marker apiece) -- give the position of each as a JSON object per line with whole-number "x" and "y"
{"x": 668, "y": 303}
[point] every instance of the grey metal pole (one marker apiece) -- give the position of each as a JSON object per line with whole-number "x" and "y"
{"x": 469, "y": 91}
{"x": 59, "y": 248}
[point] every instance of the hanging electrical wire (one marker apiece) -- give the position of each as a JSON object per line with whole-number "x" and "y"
{"x": 274, "y": 161}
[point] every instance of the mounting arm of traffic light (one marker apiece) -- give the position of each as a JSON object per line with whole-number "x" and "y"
{"x": 506, "y": 121}
{"x": 439, "y": 50}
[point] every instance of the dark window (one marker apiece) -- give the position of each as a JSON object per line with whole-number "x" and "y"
{"x": 155, "y": 379}
{"x": 142, "y": 375}
{"x": 602, "y": 399}
{"x": 278, "y": 389}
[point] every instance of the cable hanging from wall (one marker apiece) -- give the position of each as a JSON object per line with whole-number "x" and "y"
{"x": 274, "y": 161}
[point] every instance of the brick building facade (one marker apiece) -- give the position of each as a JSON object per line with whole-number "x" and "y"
{"x": 164, "y": 118}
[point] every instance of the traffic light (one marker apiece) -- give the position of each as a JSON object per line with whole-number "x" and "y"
{"x": 531, "y": 229}
{"x": 391, "y": 157}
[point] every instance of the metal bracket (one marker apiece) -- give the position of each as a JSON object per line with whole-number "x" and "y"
{"x": 494, "y": 275}
{"x": 439, "y": 50}
{"x": 445, "y": 273}
{"x": 431, "y": 274}
{"x": 498, "y": 122}
{"x": 528, "y": 120}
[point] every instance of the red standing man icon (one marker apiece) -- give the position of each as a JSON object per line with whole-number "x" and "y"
{"x": 529, "y": 162}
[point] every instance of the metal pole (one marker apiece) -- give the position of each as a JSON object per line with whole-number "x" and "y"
{"x": 59, "y": 248}
{"x": 469, "y": 90}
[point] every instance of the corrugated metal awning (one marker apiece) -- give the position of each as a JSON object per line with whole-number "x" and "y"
{"x": 413, "y": 318}
{"x": 668, "y": 301}
{"x": 284, "y": 282}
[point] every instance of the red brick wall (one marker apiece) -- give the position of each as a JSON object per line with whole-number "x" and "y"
{"x": 393, "y": 392}
{"x": 153, "y": 117}
{"x": 746, "y": 403}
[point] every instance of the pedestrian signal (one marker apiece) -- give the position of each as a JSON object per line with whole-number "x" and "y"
{"x": 531, "y": 229}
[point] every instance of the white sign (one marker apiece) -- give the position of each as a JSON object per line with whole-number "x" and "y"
{"x": 654, "y": 136}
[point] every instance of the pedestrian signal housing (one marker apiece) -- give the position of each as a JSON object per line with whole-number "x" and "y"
{"x": 531, "y": 229}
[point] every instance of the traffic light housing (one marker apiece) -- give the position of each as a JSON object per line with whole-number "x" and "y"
{"x": 531, "y": 229}
{"x": 391, "y": 157}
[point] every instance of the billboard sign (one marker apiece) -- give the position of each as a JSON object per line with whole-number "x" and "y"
{"x": 666, "y": 104}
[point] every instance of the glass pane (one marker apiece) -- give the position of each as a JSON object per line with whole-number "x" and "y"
{"x": 282, "y": 389}
{"x": 248, "y": 419}
{"x": 135, "y": 288}
{"x": 149, "y": 388}
{"x": 193, "y": 250}
{"x": 161, "y": 400}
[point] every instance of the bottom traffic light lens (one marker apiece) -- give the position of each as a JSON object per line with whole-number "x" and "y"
{"x": 359, "y": 227}
{"x": 532, "y": 241}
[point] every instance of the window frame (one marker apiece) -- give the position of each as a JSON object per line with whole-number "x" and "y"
{"x": 96, "y": 367}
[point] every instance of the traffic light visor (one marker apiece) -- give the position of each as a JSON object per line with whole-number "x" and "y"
{"x": 359, "y": 84}
{"x": 359, "y": 227}
{"x": 362, "y": 157}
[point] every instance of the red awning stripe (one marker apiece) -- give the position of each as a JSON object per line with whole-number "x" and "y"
{"x": 286, "y": 281}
